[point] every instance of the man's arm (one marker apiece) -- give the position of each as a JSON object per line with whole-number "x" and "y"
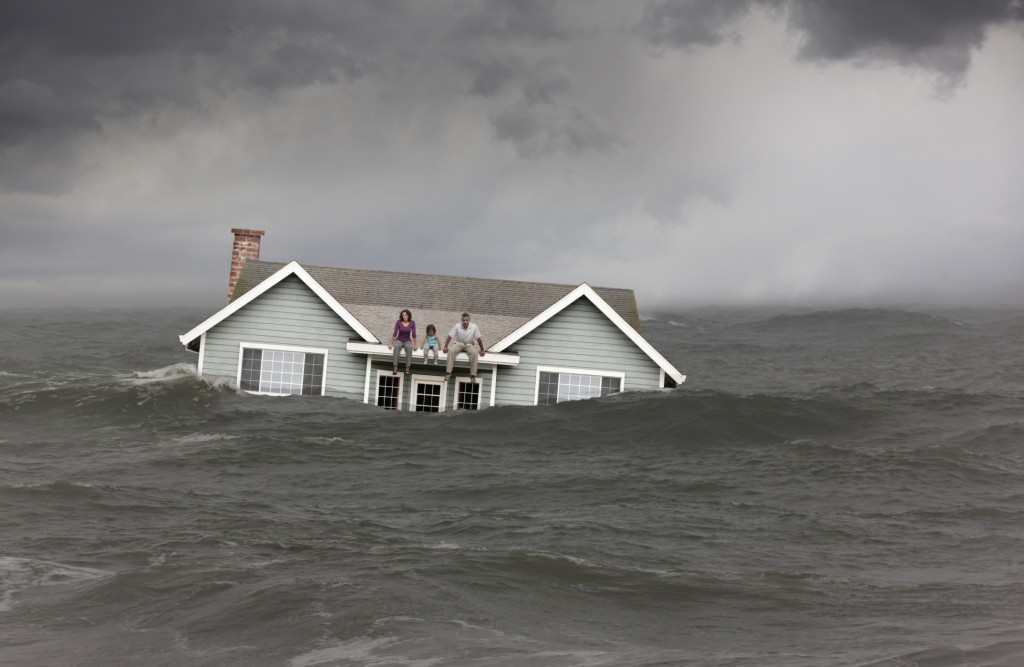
{"x": 446, "y": 341}
{"x": 480, "y": 342}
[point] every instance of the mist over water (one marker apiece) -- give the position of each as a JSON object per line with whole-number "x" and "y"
{"x": 828, "y": 488}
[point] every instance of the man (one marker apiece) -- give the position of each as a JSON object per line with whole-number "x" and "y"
{"x": 466, "y": 336}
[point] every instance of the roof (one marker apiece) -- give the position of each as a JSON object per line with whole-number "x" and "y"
{"x": 507, "y": 304}
{"x": 505, "y": 310}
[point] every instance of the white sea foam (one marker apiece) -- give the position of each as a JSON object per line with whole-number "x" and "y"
{"x": 206, "y": 437}
{"x": 18, "y": 574}
{"x": 489, "y": 644}
{"x": 158, "y": 560}
{"x": 554, "y": 555}
{"x": 172, "y": 372}
{"x": 362, "y": 649}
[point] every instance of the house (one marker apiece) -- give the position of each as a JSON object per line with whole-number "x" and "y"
{"x": 291, "y": 328}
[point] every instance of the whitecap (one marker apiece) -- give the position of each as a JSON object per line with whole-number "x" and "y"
{"x": 554, "y": 555}
{"x": 18, "y": 574}
{"x": 206, "y": 437}
{"x": 358, "y": 649}
{"x": 172, "y": 372}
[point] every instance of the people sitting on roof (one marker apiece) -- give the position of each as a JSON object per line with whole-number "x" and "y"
{"x": 430, "y": 344}
{"x": 405, "y": 335}
{"x": 466, "y": 336}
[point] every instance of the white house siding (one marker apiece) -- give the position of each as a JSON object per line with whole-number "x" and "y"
{"x": 287, "y": 314}
{"x": 579, "y": 337}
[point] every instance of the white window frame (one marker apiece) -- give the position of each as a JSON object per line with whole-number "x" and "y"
{"x": 575, "y": 371}
{"x": 242, "y": 346}
{"x": 480, "y": 394}
{"x": 401, "y": 388}
{"x": 426, "y": 379}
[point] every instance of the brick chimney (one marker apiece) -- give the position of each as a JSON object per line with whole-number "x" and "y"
{"x": 247, "y": 246}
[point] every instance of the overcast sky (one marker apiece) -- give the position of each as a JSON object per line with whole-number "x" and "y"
{"x": 794, "y": 152}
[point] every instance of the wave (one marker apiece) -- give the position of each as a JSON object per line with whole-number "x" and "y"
{"x": 170, "y": 373}
{"x": 1000, "y": 654}
{"x": 861, "y": 319}
{"x": 19, "y": 574}
{"x": 111, "y": 396}
{"x": 426, "y": 642}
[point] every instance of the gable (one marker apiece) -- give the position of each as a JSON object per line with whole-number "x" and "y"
{"x": 586, "y": 292}
{"x": 580, "y": 323}
{"x": 291, "y": 269}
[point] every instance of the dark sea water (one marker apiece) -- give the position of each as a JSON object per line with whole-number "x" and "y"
{"x": 828, "y": 488}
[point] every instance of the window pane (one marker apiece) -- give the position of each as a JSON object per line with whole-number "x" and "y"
{"x": 574, "y": 387}
{"x": 388, "y": 392}
{"x": 610, "y": 386}
{"x": 251, "y": 362}
{"x": 281, "y": 372}
{"x": 313, "y": 375}
{"x": 428, "y": 397}
{"x": 468, "y": 396}
{"x": 547, "y": 393}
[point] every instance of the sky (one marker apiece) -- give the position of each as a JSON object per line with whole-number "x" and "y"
{"x": 701, "y": 152}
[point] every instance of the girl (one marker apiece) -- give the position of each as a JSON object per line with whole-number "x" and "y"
{"x": 430, "y": 344}
{"x": 405, "y": 334}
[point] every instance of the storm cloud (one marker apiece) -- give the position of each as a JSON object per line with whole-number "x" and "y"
{"x": 698, "y": 151}
{"x": 936, "y": 35}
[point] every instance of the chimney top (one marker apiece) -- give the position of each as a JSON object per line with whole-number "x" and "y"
{"x": 246, "y": 247}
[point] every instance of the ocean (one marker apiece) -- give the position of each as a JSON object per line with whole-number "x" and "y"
{"x": 834, "y": 487}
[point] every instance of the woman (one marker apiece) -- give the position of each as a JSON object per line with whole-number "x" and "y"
{"x": 405, "y": 334}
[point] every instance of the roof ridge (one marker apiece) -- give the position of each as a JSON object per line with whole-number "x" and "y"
{"x": 412, "y": 274}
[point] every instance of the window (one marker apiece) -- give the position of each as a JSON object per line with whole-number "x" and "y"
{"x": 282, "y": 371}
{"x": 389, "y": 391}
{"x": 428, "y": 397}
{"x": 555, "y": 386}
{"x": 467, "y": 395}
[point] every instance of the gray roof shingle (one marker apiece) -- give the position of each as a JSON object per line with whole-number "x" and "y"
{"x": 499, "y": 307}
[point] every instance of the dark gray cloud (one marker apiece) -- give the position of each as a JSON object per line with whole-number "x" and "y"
{"x": 71, "y": 68}
{"x": 936, "y": 35}
{"x": 692, "y": 23}
{"x": 534, "y": 113}
{"x": 537, "y": 131}
{"x": 28, "y": 107}
{"x": 502, "y": 21}
{"x": 135, "y": 133}
{"x": 294, "y": 65}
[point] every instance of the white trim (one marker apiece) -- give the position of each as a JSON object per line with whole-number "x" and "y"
{"x": 290, "y": 269}
{"x": 575, "y": 371}
{"x": 366, "y": 388}
{"x": 281, "y": 348}
{"x": 401, "y": 386}
{"x": 381, "y": 350}
{"x": 202, "y": 354}
{"x": 427, "y": 379}
{"x": 581, "y": 371}
{"x": 286, "y": 348}
{"x": 494, "y": 381}
{"x": 585, "y": 290}
{"x": 661, "y": 379}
